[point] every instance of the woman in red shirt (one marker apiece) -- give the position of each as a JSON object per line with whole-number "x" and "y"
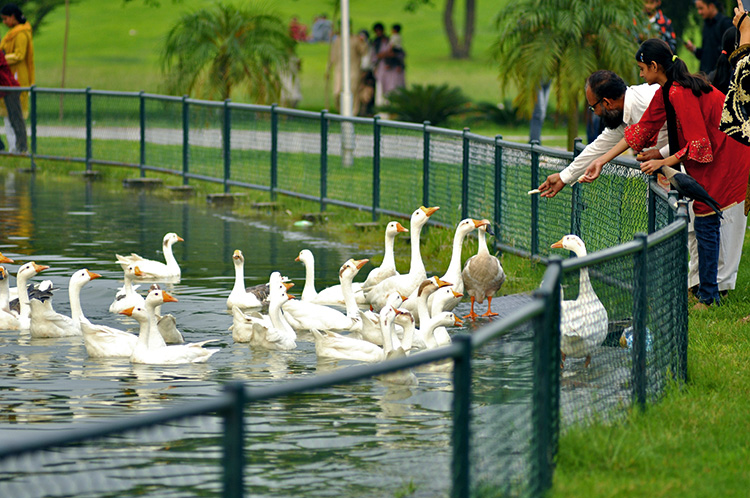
{"x": 692, "y": 109}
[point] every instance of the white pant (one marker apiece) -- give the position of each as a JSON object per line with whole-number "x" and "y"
{"x": 732, "y": 235}
{"x": 10, "y": 135}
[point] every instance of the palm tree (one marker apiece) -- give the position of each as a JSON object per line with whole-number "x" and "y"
{"x": 564, "y": 41}
{"x": 211, "y": 51}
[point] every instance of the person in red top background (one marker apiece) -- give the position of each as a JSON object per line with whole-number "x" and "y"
{"x": 13, "y": 105}
{"x": 692, "y": 109}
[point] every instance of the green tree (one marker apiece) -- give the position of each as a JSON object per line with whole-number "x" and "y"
{"x": 564, "y": 41}
{"x": 212, "y": 51}
{"x": 460, "y": 46}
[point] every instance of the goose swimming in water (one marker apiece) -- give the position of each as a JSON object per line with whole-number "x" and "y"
{"x": 156, "y": 270}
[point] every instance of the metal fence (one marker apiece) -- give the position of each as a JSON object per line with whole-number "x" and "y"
{"x": 386, "y": 167}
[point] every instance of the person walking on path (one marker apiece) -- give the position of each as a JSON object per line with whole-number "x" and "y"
{"x": 18, "y": 48}
{"x": 13, "y": 106}
{"x": 714, "y": 25}
{"x": 692, "y": 109}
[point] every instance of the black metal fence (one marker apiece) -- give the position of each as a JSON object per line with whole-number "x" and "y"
{"x": 387, "y": 167}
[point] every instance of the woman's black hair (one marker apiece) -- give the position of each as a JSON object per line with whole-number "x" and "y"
{"x": 12, "y": 9}
{"x": 657, "y": 50}
{"x": 722, "y": 75}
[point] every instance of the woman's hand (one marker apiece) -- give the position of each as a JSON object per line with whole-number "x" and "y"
{"x": 593, "y": 171}
{"x": 650, "y": 167}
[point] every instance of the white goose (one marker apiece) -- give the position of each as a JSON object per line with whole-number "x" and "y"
{"x": 404, "y": 284}
{"x": 8, "y": 318}
{"x": 393, "y": 348}
{"x": 23, "y": 275}
{"x": 388, "y": 267}
{"x": 150, "y": 347}
{"x": 303, "y": 315}
{"x": 583, "y": 321}
{"x": 442, "y": 319}
{"x": 156, "y": 270}
{"x": 127, "y": 297}
{"x": 426, "y": 288}
{"x": 245, "y": 298}
{"x": 330, "y": 296}
{"x": 370, "y": 330}
{"x": 266, "y": 331}
{"x": 439, "y": 299}
{"x": 46, "y": 322}
{"x": 483, "y": 275}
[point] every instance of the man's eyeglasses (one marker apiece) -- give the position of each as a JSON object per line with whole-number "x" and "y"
{"x": 593, "y": 107}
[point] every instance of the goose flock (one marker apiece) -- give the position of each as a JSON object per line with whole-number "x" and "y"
{"x": 386, "y": 315}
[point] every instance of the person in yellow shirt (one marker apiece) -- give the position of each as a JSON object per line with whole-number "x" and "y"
{"x": 19, "y": 52}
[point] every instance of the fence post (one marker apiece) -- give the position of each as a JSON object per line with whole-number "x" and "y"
{"x": 234, "y": 442}
{"x": 185, "y": 139}
{"x": 640, "y": 316}
{"x": 88, "y": 129}
{"x": 546, "y": 370}
{"x": 375, "y": 167}
{"x": 534, "y": 198}
{"x": 498, "y": 189}
{"x": 651, "y": 204}
{"x": 682, "y": 310}
{"x": 142, "y": 120}
{"x": 461, "y": 436}
{"x": 227, "y": 144}
{"x": 575, "y": 197}
{"x": 426, "y": 164}
{"x": 274, "y": 150}
{"x": 465, "y": 176}
{"x": 32, "y": 93}
{"x": 323, "y": 159}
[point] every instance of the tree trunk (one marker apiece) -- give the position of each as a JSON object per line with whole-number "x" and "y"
{"x": 468, "y": 28}
{"x": 460, "y": 49}
{"x": 450, "y": 28}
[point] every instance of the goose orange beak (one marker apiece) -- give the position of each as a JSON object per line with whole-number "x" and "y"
{"x": 5, "y": 259}
{"x": 458, "y": 321}
{"x": 288, "y": 285}
{"x": 399, "y": 228}
{"x": 457, "y": 294}
{"x": 128, "y": 312}
{"x": 429, "y": 211}
{"x": 168, "y": 298}
{"x": 360, "y": 263}
{"x": 93, "y": 275}
{"x": 557, "y": 245}
{"x": 290, "y": 296}
{"x": 39, "y": 268}
{"x": 137, "y": 272}
{"x": 180, "y": 239}
{"x": 237, "y": 254}
{"x": 442, "y": 283}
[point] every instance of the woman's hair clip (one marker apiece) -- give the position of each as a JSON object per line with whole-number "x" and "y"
{"x": 674, "y": 57}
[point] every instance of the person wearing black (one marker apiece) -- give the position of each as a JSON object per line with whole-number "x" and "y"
{"x": 715, "y": 23}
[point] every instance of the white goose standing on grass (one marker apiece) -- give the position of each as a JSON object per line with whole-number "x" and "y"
{"x": 404, "y": 284}
{"x": 483, "y": 275}
{"x": 242, "y": 297}
{"x": 156, "y": 270}
{"x": 8, "y": 318}
{"x": 270, "y": 331}
{"x": 150, "y": 347}
{"x": 583, "y": 321}
{"x": 25, "y": 272}
{"x": 127, "y": 297}
{"x": 388, "y": 267}
{"x": 330, "y": 296}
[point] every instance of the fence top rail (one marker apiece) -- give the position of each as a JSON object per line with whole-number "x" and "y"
{"x": 86, "y": 431}
{"x": 16, "y": 88}
{"x": 666, "y": 232}
{"x": 353, "y": 119}
{"x": 299, "y": 113}
{"x": 156, "y": 96}
{"x": 602, "y": 256}
{"x": 506, "y": 324}
{"x": 205, "y": 103}
{"x": 37, "y": 89}
{"x": 112, "y": 93}
{"x": 434, "y": 130}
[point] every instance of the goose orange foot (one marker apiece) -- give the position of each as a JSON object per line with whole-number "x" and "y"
{"x": 471, "y": 315}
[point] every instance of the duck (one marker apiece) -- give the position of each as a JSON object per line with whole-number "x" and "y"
{"x": 270, "y": 331}
{"x": 304, "y": 315}
{"x": 370, "y": 322}
{"x": 388, "y": 267}
{"x": 442, "y": 319}
{"x": 393, "y": 349}
{"x": 439, "y": 298}
{"x": 150, "y": 347}
{"x": 404, "y": 284}
{"x": 156, "y": 270}
{"x": 127, "y": 297}
{"x": 242, "y": 297}
{"x": 166, "y": 324}
{"x": 330, "y": 296}
{"x": 24, "y": 273}
{"x": 483, "y": 275}
{"x": 423, "y": 315}
{"x": 8, "y": 318}
{"x": 46, "y": 322}
{"x": 583, "y": 321}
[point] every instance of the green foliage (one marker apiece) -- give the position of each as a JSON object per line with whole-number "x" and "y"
{"x": 36, "y": 11}
{"x": 211, "y": 51}
{"x": 433, "y": 103}
{"x": 503, "y": 114}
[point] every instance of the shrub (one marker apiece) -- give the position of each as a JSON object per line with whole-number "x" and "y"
{"x": 431, "y": 103}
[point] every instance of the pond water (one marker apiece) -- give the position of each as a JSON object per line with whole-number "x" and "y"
{"x": 372, "y": 438}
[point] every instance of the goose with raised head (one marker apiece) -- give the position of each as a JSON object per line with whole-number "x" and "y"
{"x": 8, "y": 318}
{"x": 304, "y": 315}
{"x": 407, "y": 283}
{"x": 483, "y": 275}
{"x": 442, "y": 319}
{"x": 583, "y": 321}
{"x": 156, "y": 270}
{"x": 388, "y": 267}
{"x": 150, "y": 347}
{"x": 127, "y": 297}
{"x": 166, "y": 324}
{"x": 394, "y": 349}
{"x": 24, "y": 273}
{"x": 330, "y": 296}
{"x": 245, "y": 297}
{"x": 270, "y": 331}
{"x": 46, "y": 322}
{"x": 439, "y": 299}
{"x": 422, "y": 316}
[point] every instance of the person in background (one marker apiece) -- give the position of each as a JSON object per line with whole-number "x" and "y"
{"x": 714, "y": 25}
{"x": 735, "y": 120}
{"x": 297, "y": 30}
{"x": 322, "y": 29}
{"x": 13, "y": 106}
{"x": 660, "y": 23}
{"x": 692, "y": 109}
{"x": 358, "y": 48}
{"x": 18, "y": 48}
{"x": 722, "y": 73}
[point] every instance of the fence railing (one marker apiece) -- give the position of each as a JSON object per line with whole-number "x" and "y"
{"x": 386, "y": 167}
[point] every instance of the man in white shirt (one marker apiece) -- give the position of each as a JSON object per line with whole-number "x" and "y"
{"x": 618, "y": 105}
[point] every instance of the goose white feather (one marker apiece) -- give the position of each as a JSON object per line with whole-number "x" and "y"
{"x": 127, "y": 297}
{"x": 244, "y": 298}
{"x": 156, "y": 270}
{"x": 24, "y": 273}
{"x": 388, "y": 267}
{"x": 8, "y": 318}
{"x": 330, "y": 296}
